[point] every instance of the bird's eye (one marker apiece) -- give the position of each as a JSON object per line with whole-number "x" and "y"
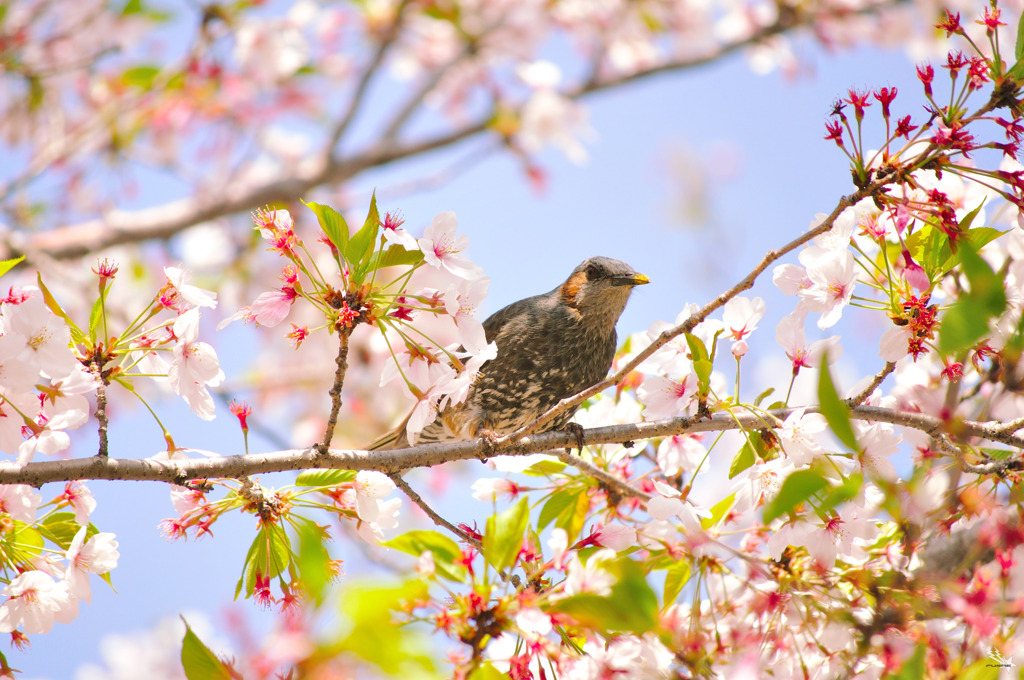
{"x": 593, "y": 272}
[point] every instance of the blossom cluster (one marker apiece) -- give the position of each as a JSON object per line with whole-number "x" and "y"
{"x": 50, "y": 367}
{"x": 421, "y": 294}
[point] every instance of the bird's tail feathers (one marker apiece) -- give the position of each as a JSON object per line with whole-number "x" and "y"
{"x": 395, "y": 438}
{"x": 389, "y": 440}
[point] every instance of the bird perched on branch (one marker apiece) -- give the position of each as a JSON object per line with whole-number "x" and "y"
{"x": 550, "y": 347}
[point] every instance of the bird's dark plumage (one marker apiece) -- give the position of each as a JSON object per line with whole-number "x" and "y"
{"x": 550, "y": 347}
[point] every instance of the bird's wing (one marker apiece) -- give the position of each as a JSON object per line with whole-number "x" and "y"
{"x": 497, "y": 322}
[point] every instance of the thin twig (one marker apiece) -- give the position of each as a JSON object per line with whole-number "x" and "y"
{"x": 101, "y": 405}
{"x": 341, "y": 361}
{"x": 431, "y": 513}
{"x": 866, "y": 392}
{"x": 602, "y": 476}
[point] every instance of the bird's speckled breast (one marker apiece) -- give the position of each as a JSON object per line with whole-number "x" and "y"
{"x": 541, "y": 360}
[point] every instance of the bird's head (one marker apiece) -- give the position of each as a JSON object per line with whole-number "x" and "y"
{"x": 599, "y": 288}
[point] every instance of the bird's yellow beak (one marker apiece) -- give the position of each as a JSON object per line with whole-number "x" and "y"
{"x": 634, "y": 280}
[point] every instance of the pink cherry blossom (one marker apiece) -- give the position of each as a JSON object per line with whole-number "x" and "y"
{"x": 194, "y": 367}
{"x": 799, "y": 435}
{"x": 488, "y": 489}
{"x": 460, "y": 302}
{"x": 47, "y": 337}
{"x": 20, "y": 501}
{"x": 791, "y": 279}
{"x": 98, "y": 555}
{"x": 35, "y": 602}
{"x": 178, "y": 279}
{"x": 664, "y": 397}
{"x": 741, "y": 315}
{"x": 272, "y": 307}
{"x": 617, "y": 537}
{"x": 551, "y": 119}
{"x": 79, "y": 497}
{"x": 371, "y": 486}
{"x": 790, "y": 334}
{"x": 833, "y": 276}
{"x": 680, "y": 453}
{"x": 590, "y": 577}
{"x": 442, "y": 248}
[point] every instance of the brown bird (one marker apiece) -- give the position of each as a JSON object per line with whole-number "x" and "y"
{"x": 550, "y": 347}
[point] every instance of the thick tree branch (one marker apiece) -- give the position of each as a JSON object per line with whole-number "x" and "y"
{"x": 426, "y": 455}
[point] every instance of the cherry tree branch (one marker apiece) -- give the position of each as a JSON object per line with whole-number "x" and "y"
{"x": 180, "y": 471}
{"x": 605, "y": 478}
{"x": 341, "y": 363}
{"x": 890, "y": 366}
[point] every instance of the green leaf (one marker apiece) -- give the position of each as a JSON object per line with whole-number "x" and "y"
{"x": 375, "y": 637}
{"x": 997, "y": 454}
{"x": 985, "y": 669}
{"x": 313, "y": 561}
{"x": 835, "y": 410}
{"x": 504, "y": 535}
{"x": 744, "y": 458}
{"x": 268, "y": 556}
{"x": 332, "y": 223}
{"x": 1017, "y": 72}
{"x": 76, "y": 333}
{"x": 324, "y": 477}
{"x": 798, "y": 487}
{"x": 701, "y": 362}
{"x": 914, "y": 667}
{"x": 963, "y": 325}
{"x": 444, "y": 550}
{"x": 545, "y": 467}
{"x": 360, "y": 246}
{"x": 20, "y": 544}
{"x": 395, "y": 256}
{"x": 574, "y": 516}
{"x": 966, "y": 322}
{"x": 140, "y": 76}
{"x": 60, "y": 528}
{"x": 487, "y": 671}
{"x": 838, "y": 495}
{"x": 8, "y": 265}
{"x": 96, "y": 315}
{"x": 199, "y": 662}
{"x": 718, "y": 512}
{"x": 555, "y": 505}
{"x": 676, "y": 577}
{"x": 764, "y": 395}
{"x": 631, "y": 606}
